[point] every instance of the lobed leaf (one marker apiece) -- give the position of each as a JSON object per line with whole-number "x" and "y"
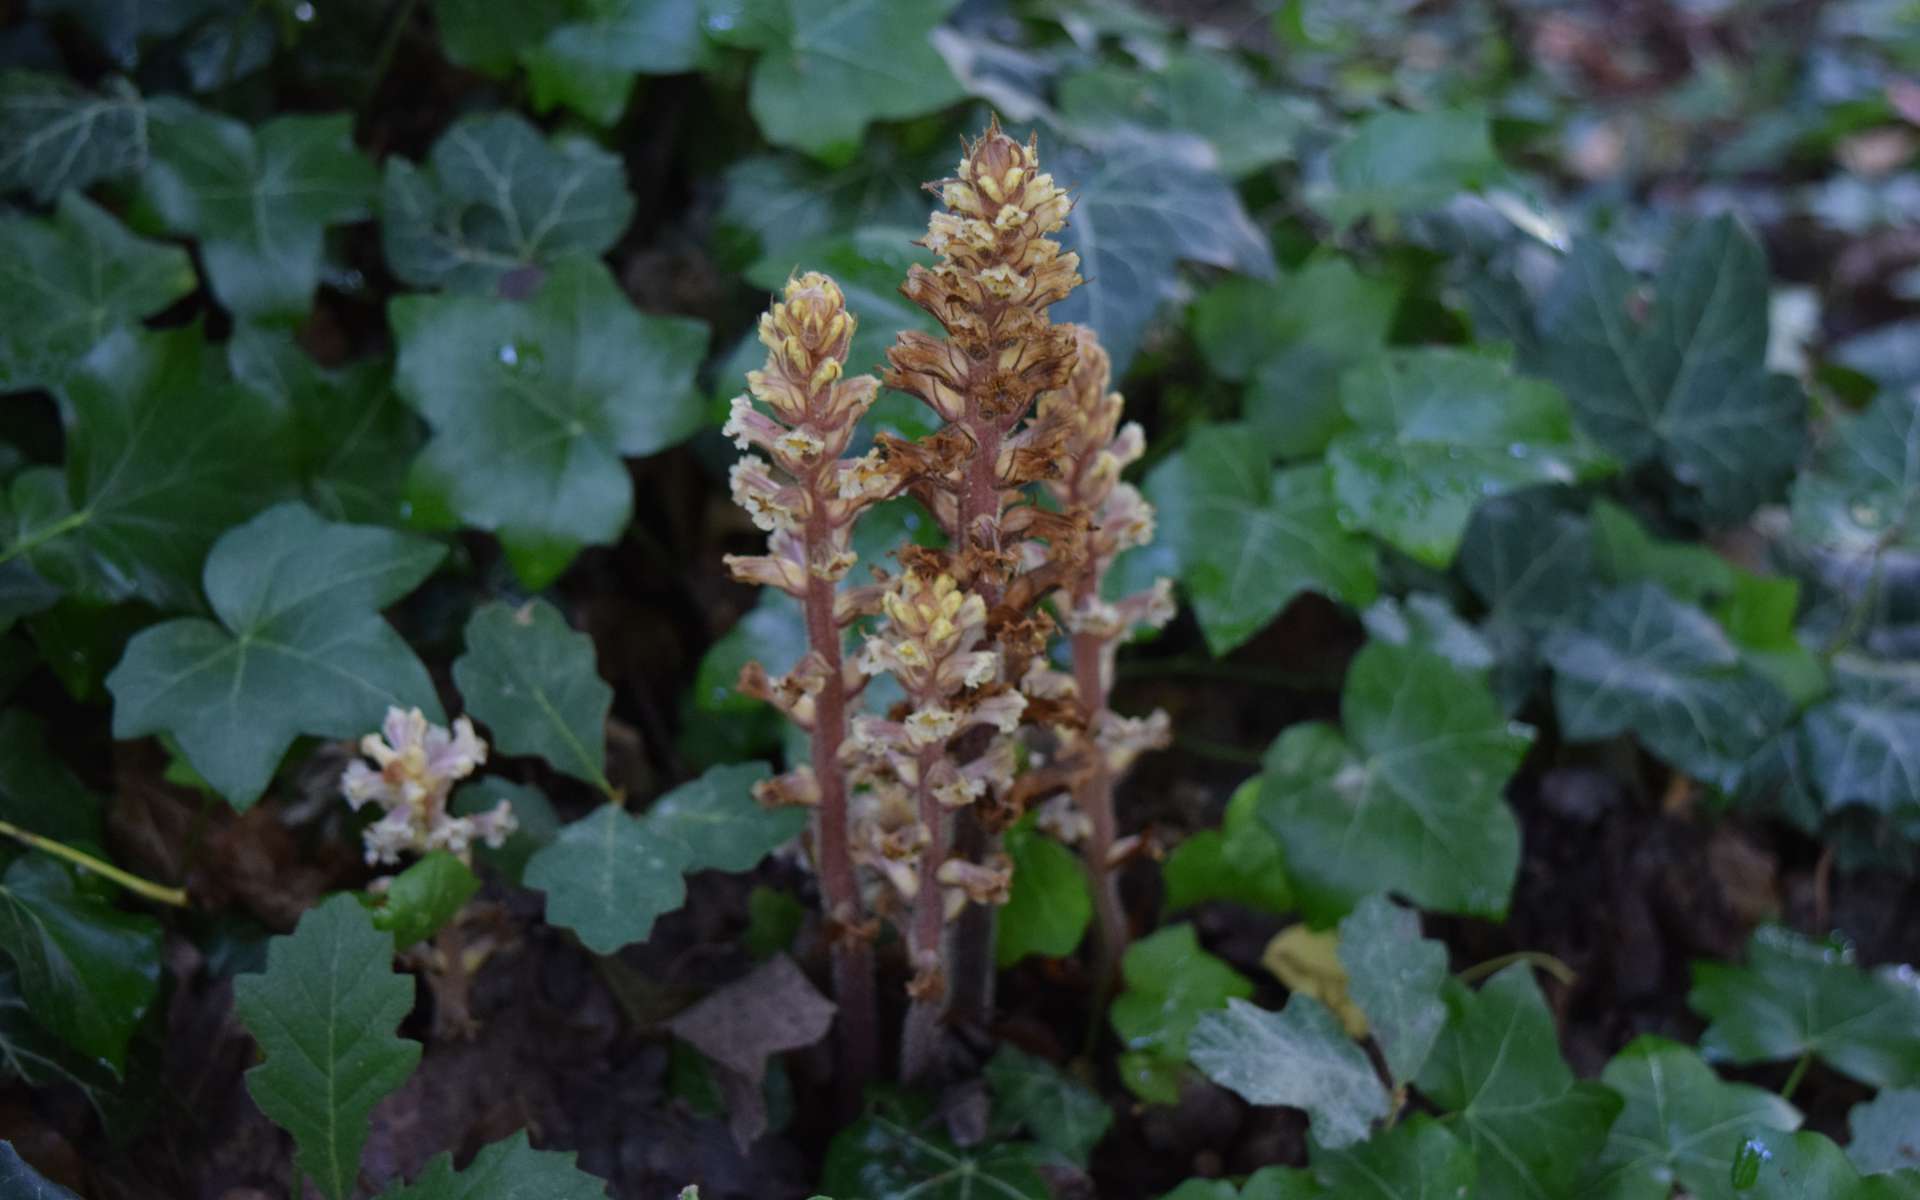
{"x": 1057, "y": 1110}
{"x": 534, "y": 683}
{"x": 1051, "y": 904}
{"x": 1299, "y": 1057}
{"x": 1394, "y": 975}
{"x": 608, "y": 876}
{"x": 56, "y": 136}
{"x": 504, "y": 1170}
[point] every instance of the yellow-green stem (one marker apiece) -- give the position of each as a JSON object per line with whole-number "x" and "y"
{"x": 106, "y": 870}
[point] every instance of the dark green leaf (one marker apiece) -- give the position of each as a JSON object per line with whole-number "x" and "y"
{"x": 1193, "y": 91}
{"x": 1795, "y": 996}
{"x": 1051, "y": 904}
{"x": 66, "y": 283}
{"x": 1411, "y": 793}
{"x": 299, "y": 648}
{"x": 1299, "y": 1057}
{"x": 1624, "y": 552}
{"x": 88, "y": 970}
{"x": 1250, "y": 539}
{"x": 608, "y": 876}
{"x": 1400, "y": 163}
{"x": 1418, "y": 1160}
{"x": 495, "y": 199}
{"x": 534, "y": 816}
{"x": 1759, "y": 616}
{"x": 1680, "y": 1125}
{"x": 533, "y": 681}
{"x": 1424, "y": 621}
{"x": 1497, "y": 1069}
{"x": 775, "y": 202}
{"x": 163, "y": 455}
{"x": 898, "y": 1149}
{"x": 258, "y": 200}
{"x": 1638, "y": 660}
{"x": 505, "y": 1170}
{"x": 534, "y": 403}
{"x": 1772, "y": 1164}
{"x": 56, "y": 136}
{"x": 18, "y": 1181}
{"x": 1239, "y": 861}
{"x": 35, "y": 1057}
{"x": 324, "y": 1013}
{"x": 1528, "y": 559}
{"x": 1268, "y": 1183}
{"x": 424, "y": 897}
{"x": 38, "y": 792}
{"x": 1055, "y": 1109}
{"x": 589, "y": 65}
{"x": 773, "y": 633}
{"x": 1395, "y": 976}
{"x": 1884, "y": 1133}
{"x": 1863, "y": 493}
{"x": 489, "y": 36}
{"x": 1170, "y": 982}
{"x": 723, "y": 827}
{"x": 1862, "y": 746}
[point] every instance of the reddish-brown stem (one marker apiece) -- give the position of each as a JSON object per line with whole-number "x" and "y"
{"x": 1093, "y": 795}
{"x": 920, "y": 1040}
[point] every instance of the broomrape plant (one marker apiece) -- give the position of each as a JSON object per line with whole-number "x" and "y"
{"x": 909, "y": 804}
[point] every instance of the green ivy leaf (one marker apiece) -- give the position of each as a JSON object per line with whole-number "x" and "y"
{"x": 1882, "y": 1132}
{"x": 1424, "y": 621}
{"x": 534, "y": 683}
{"x": 720, "y": 823}
{"x": 868, "y": 264}
{"x": 489, "y": 37}
{"x": 1417, "y": 1160}
{"x": 1497, "y": 1068}
{"x": 423, "y": 898}
{"x": 1638, "y": 660}
{"x": 1143, "y": 204}
{"x": 1193, "y": 91}
{"x": 163, "y": 454}
{"x": 534, "y": 403}
{"x": 1772, "y": 1164}
{"x": 1680, "y": 1125}
{"x": 299, "y": 648}
{"x": 1687, "y": 387}
{"x": 1299, "y": 1057}
{"x": 496, "y": 199}
{"x": 503, "y": 1171}
{"x": 1624, "y": 552}
{"x": 774, "y": 202}
{"x": 89, "y": 972}
{"x": 324, "y": 1013}
{"x": 1436, "y": 431}
{"x": 259, "y": 200}
{"x": 1268, "y": 1183}
{"x": 18, "y": 1181}
{"x": 828, "y": 68}
{"x": 1057, "y": 1110}
{"x": 1861, "y": 495}
{"x": 1411, "y": 793}
{"x": 1861, "y": 747}
{"x": 65, "y": 284}
{"x": 608, "y": 876}
{"x": 1250, "y": 539}
{"x": 1795, "y": 996}
{"x": 38, "y": 792}
{"x": 56, "y": 136}
{"x": 1170, "y": 981}
{"x": 1239, "y": 861}
{"x": 1400, "y": 163}
{"x": 1395, "y": 976}
{"x": 1528, "y": 559}
{"x": 1759, "y": 616}
{"x": 538, "y": 825}
{"x": 1051, "y": 904}
{"x": 589, "y": 65}
{"x": 900, "y": 1149}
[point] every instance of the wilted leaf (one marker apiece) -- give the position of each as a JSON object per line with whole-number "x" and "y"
{"x": 56, "y": 136}
{"x": 1395, "y": 976}
{"x": 767, "y": 1012}
{"x": 1307, "y": 960}
{"x": 1051, "y": 904}
{"x": 533, "y": 681}
{"x": 1299, "y": 1057}
{"x": 1054, "y": 1108}
{"x": 505, "y": 1170}
{"x": 608, "y": 876}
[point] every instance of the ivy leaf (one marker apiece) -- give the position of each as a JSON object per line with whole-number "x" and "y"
{"x": 1395, "y": 976}
{"x": 533, "y": 404}
{"x": 501, "y": 1171}
{"x": 1624, "y": 552}
{"x": 1143, "y": 204}
{"x": 324, "y": 1013}
{"x": 534, "y": 683}
{"x": 1250, "y": 539}
{"x": 608, "y": 876}
{"x": 1059, "y": 1111}
{"x": 722, "y": 826}
{"x": 1170, "y": 981}
{"x": 299, "y": 648}
{"x": 259, "y": 200}
{"x": 423, "y": 898}
{"x": 1638, "y": 660}
{"x": 1193, "y": 91}
{"x": 38, "y": 792}
{"x": 489, "y": 37}
{"x": 1680, "y": 1125}
{"x": 1860, "y": 496}
{"x": 163, "y": 453}
{"x": 901, "y": 1149}
{"x": 1884, "y": 1133}
{"x": 1268, "y": 1183}
{"x": 1428, "y": 622}
{"x": 1399, "y": 163}
{"x": 1687, "y": 387}
{"x": 59, "y": 137}
{"x": 1772, "y": 1164}
{"x": 1436, "y": 431}
{"x": 1239, "y": 861}
{"x": 89, "y": 972}
{"x": 35, "y": 1057}
{"x": 828, "y": 68}
{"x": 496, "y": 199}
{"x": 1299, "y": 1057}
{"x": 1795, "y": 996}
{"x": 1417, "y": 1160}
{"x": 67, "y": 283}
{"x": 1497, "y": 1068}
{"x": 1051, "y": 905}
{"x": 1528, "y": 559}
{"x": 353, "y": 439}
{"x": 18, "y": 1181}
{"x": 589, "y": 65}
{"x": 1411, "y": 793}
{"x": 868, "y": 265}
{"x": 1862, "y": 746}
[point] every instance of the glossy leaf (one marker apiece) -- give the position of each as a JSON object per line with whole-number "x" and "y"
{"x": 1884, "y": 1132}
{"x": 1860, "y": 496}
{"x": 1410, "y": 793}
{"x": 533, "y": 681}
{"x": 1401, "y": 163}
{"x": 720, "y": 823}
{"x": 1170, "y": 981}
{"x": 1772, "y": 1164}
{"x": 490, "y": 37}
{"x": 608, "y": 876}
{"x": 1193, "y": 91}
{"x": 1417, "y": 1160}
{"x": 533, "y": 404}
{"x": 423, "y": 898}
{"x": 298, "y": 647}
{"x": 324, "y": 1013}
{"x": 503, "y": 1170}
{"x": 1051, "y": 905}
{"x": 1239, "y": 861}
{"x": 1528, "y": 559}
{"x": 1056, "y": 1110}
{"x": 1861, "y": 747}
{"x": 1394, "y": 975}
{"x": 1624, "y": 552}
{"x": 56, "y": 136}
{"x": 1299, "y": 1057}
{"x": 588, "y": 65}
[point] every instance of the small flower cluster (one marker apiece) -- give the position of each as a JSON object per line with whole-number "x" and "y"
{"x": 416, "y": 766}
